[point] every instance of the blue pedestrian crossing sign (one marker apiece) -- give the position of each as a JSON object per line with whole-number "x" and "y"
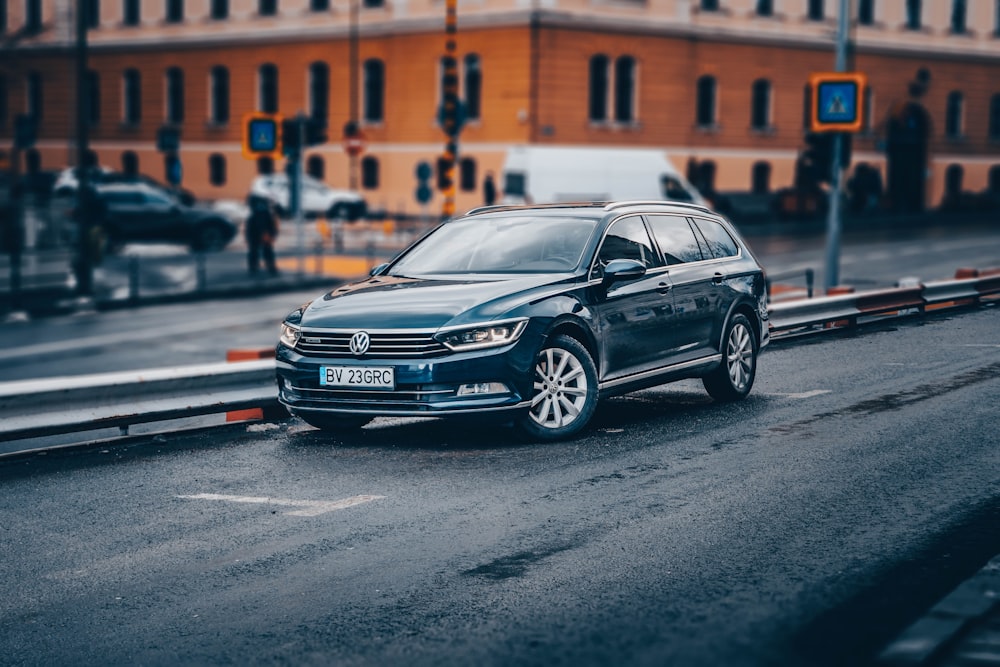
{"x": 261, "y": 135}
{"x": 837, "y": 101}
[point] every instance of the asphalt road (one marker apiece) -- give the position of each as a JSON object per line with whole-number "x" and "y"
{"x": 806, "y": 525}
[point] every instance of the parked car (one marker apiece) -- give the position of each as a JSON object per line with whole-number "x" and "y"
{"x": 139, "y": 212}
{"x": 318, "y": 198}
{"x": 67, "y": 180}
{"x": 533, "y": 313}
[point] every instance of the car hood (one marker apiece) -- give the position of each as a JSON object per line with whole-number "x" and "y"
{"x": 391, "y": 302}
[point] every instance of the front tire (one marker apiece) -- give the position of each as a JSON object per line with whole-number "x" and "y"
{"x": 734, "y": 377}
{"x": 332, "y": 422}
{"x": 565, "y": 391}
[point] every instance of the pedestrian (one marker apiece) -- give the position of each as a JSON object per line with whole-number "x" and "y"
{"x": 489, "y": 189}
{"x": 261, "y": 232}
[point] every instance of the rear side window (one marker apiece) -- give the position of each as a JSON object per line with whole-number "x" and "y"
{"x": 676, "y": 239}
{"x": 720, "y": 243}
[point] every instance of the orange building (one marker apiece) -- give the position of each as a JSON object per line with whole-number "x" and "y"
{"x": 710, "y": 82}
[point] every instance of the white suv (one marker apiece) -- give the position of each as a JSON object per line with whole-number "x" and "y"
{"x": 318, "y": 199}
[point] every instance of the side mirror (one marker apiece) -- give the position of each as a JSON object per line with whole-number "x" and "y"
{"x": 377, "y": 270}
{"x": 619, "y": 270}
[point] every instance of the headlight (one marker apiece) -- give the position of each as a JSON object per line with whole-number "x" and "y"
{"x": 289, "y": 335}
{"x": 488, "y": 335}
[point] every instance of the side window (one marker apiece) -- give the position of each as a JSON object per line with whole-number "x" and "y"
{"x": 675, "y": 238}
{"x": 720, "y": 243}
{"x": 627, "y": 239}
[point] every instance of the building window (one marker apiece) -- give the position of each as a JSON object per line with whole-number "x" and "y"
{"x": 816, "y": 12}
{"x": 175, "y": 95}
{"x": 319, "y": 5}
{"x": 92, "y": 13}
{"x": 467, "y": 174}
{"x": 369, "y": 172}
{"x": 760, "y": 178}
{"x": 473, "y": 87}
{"x": 995, "y": 117}
{"x": 958, "y": 13}
{"x": 32, "y": 16}
{"x": 913, "y": 14}
{"x": 132, "y": 97}
{"x": 994, "y": 182}
{"x": 625, "y": 89}
{"x": 705, "y": 113}
{"x": 35, "y": 96}
{"x": 373, "y": 4}
{"x": 598, "y": 88}
{"x": 760, "y": 109}
{"x": 175, "y": 11}
{"x": 709, "y": 5}
{"x": 92, "y": 82}
{"x": 866, "y": 12}
{"x": 217, "y": 170}
{"x": 953, "y": 177}
{"x": 131, "y": 12}
{"x": 219, "y": 101}
{"x": 130, "y": 163}
{"x": 267, "y": 90}
{"x": 765, "y": 8}
{"x": 373, "y": 73}
{"x": 3, "y": 16}
{"x": 996, "y": 20}
{"x": 219, "y": 9}
{"x": 953, "y": 115}
{"x": 315, "y": 167}
{"x": 806, "y": 107}
{"x": 868, "y": 109}
{"x": 319, "y": 91}
{"x": 267, "y": 7}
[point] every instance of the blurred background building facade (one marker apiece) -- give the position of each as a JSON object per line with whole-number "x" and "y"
{"x": 718, "y": 85}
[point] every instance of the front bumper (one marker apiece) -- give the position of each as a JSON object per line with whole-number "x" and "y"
{"x": 423, "y": 387}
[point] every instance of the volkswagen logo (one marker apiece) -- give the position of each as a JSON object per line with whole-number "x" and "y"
{"x": 360, "y": 343}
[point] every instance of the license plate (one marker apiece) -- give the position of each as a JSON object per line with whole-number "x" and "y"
{"x": 363, "y": 377}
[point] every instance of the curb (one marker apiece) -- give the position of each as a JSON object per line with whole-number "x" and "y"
{"x": 950, "y": 633}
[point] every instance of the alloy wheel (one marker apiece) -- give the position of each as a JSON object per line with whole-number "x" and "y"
{"x": 560, "y": 389}
{"x": 739, "y": 356}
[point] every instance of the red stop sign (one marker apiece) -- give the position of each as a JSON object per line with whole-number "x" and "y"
{"x": 354, "y": 144}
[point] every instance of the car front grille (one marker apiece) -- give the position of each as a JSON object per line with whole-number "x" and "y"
{"x": 409, "y": 345}
{"x": 414, "y": 397}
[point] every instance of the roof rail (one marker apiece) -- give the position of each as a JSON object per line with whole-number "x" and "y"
{"x": 517, "y": 207}
{"x": 484, "y": 209}
{"x": 647, "y": 202}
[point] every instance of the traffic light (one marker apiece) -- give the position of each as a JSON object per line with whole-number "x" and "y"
{"x": 261, "y": 135}
{"x": 818, "y": 156}
{"x": 300, "y": 132}
{"x": 445, "y": 175}
{"x": 837, "y": 101}
{"x": 315, "y": 131}
{"x": 291, "y": 138}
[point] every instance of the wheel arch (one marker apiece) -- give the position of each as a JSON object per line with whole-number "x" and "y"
{"x": 570, "y": 326}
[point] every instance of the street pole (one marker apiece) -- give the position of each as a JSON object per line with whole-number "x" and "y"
{"x": 84, "y": 267}
{"x": 450, "y": 104}
{"x": 300, "y": 127}
{"x": 833, "y": 222}
{"x": 353, "y": 93}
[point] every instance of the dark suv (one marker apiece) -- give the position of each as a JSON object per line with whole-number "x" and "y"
{"x": 533, "y": 312}
{"x": 140, "y": 212}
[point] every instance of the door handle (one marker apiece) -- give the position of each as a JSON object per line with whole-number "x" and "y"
{"x": 717, "y": 279}
{"x": 663, "y": 288}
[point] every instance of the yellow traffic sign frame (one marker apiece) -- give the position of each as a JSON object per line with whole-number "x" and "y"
{"x": 249, "y": 119}
{"x": 819, "y": 82}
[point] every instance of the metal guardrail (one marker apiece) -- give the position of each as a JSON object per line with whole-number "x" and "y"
{"x": 54, "y": 406}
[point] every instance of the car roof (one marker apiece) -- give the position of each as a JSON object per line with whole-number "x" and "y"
{"x": 599, "y": 207}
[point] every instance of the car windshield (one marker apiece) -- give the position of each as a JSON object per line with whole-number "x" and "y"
{"x": 508, "y": 244}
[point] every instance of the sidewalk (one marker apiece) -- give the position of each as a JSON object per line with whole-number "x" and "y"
{"x": 962, "y": 630}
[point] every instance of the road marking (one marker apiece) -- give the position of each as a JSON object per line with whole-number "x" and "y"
{"x": 311, "y": 507}
{"x": 801, "y": 395}
{"x": 980, "y": 345}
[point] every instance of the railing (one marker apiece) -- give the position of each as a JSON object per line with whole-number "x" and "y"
{"x": 55, "y": 406}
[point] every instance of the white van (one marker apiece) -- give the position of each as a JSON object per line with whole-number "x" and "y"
{"x": 553, "y": 174}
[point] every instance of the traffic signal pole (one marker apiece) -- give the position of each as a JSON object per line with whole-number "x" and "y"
{"x": 833, "y": 222}
{"x": 450, "y": 111}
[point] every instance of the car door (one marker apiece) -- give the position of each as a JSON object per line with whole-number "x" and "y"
{"x": 163, "y": 218}
{"x": 692, "y": 277}
{"x": 724, "y": 253}
{"x": 633, "y": 314}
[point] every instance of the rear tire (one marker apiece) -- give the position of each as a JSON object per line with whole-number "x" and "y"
{"x": 565, "y": 391}
{"x": 332, "y": 422}
{"x": 734, "y": 377}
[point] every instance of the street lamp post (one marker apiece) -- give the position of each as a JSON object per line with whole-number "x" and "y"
{"x": 84, "y": 267}
{"x": 353, "y": 92}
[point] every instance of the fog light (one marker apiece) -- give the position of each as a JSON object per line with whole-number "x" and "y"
{"x": 481, "y": 388}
